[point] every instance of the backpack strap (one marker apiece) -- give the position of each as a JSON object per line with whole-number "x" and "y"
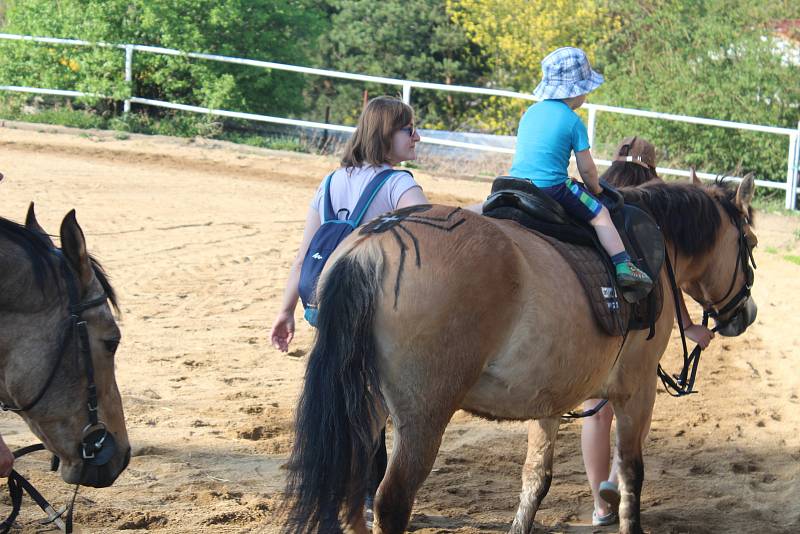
{"x": 327, "y": 205}
{"x": 369, "y": 194}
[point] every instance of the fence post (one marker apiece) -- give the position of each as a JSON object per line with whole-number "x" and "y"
{"x": 128, "y": 76}
{"x": 791, "y": 173}
{"x": 795, "y": 173}
{"x": 590, "y": 128}
{"x": 407, "y": 93}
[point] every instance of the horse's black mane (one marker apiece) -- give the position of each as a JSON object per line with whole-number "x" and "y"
{"x": 43, "y": 261}
{"x": 687, "y": 213}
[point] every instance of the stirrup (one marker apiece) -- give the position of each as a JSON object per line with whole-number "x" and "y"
{"x": 635, "y": 290}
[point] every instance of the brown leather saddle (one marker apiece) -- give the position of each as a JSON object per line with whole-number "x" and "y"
{"x": 519, "y": 200}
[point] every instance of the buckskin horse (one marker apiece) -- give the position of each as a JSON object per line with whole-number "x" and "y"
{"x": 58, "y": 336}
{"x": 430, "y": 309}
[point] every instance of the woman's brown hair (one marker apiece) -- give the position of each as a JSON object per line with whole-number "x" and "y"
{"x": 371, "y": 143}
{"x": 628, "y": 174}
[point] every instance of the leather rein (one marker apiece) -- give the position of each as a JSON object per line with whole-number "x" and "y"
{"x": 679, "y": 385}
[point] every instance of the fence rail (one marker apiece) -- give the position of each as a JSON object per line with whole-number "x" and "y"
{"x": 792, "y": 160}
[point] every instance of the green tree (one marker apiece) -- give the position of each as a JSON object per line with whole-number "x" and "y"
{"x": 706, "y": 58}
{"x": 516, "y": 34}
{"x": 263, "y": 29}
{"x": 407, "y": 39}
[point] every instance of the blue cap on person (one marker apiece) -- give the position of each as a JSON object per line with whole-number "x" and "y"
{"x": 566, "y": 73}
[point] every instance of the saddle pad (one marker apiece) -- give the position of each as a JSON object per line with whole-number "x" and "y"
{"x": 611, "y": 311}
{"x": 520, "y": 201}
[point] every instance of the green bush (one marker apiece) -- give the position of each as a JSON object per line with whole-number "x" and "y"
{"x": 705, "y": 58}
{"x": 278, "y": 31}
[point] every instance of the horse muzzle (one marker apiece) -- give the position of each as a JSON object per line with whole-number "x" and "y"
{"x": 740, "y": 320}
{"x": 102, "y": 476}
{"x": 97, "y": 474}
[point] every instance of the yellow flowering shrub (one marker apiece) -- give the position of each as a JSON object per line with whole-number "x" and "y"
{"x": 517, "y": 34}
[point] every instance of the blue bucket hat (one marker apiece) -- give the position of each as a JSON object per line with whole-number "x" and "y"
{"x": 566, "y": 73}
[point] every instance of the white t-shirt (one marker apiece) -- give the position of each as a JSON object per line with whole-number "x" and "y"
{"x": 346, "y": 189}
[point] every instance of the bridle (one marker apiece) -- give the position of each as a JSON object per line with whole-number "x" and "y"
{"x": 735, "y": 305}
{"x": 683, "y": 383}
{"x": 97, "y": 445}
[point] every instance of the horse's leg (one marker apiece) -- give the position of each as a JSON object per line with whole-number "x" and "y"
{"x": 536, "y": 473}
{"x": 633, "y": 422}
{"x": 416, "y": 443}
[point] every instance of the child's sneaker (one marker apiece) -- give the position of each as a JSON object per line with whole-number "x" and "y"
{"x": 629, "y": 275}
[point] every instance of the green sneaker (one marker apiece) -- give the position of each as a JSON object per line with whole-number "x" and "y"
{"x": 629, "y": 275}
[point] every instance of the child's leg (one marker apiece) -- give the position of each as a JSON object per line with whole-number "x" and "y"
{"x": 585, "y": 206}
{"x": 607, "y": 232}
{"x": 581, "y": 204}
{"x": 627, "y": 273}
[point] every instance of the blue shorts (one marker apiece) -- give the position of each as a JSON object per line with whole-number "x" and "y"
{"x": 575, "y": 199}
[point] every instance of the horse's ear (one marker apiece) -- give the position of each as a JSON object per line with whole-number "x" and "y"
{"x": 33, "y": 225}
{"x": 744, "y": 193}
{"x": 73, "y": 245}
{"x": 695, "y": 179}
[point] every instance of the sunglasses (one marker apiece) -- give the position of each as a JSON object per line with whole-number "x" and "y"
{"x": 410, "y": 130}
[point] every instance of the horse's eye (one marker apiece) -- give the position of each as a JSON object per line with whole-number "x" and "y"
{"x": 111, "y": 345}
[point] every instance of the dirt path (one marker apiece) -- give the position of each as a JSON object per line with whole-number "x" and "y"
{"x": 198, "y": 237}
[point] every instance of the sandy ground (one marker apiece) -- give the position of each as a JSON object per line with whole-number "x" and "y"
{"x": 198, "y": 237}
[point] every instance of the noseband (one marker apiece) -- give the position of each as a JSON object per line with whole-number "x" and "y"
{"x": 97, "y": 444}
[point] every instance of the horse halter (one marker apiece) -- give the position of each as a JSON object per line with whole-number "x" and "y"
{"x": 736, "y": 305}
{"x": 97, "y": 445}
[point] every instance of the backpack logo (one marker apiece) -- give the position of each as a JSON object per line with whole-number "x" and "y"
{"x": 317, "y": 256}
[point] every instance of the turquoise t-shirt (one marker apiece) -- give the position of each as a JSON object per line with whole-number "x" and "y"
{"x": 548, "y": 132}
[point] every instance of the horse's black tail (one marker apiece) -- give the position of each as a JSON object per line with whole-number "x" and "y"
{"x": 337, "y": 412}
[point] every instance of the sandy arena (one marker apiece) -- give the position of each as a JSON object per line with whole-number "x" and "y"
{"x": 198, "y": 237}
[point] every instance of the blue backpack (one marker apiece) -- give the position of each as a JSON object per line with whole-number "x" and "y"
{"x": 329, "y": 235}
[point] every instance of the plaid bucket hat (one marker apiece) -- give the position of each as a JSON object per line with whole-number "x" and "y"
{"x": 566, "y": 73}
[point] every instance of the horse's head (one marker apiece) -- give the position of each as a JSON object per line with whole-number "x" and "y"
{"x": 57, "y": 345}
{"x": 709, "y": 231}
{"x": 723, "y": 285}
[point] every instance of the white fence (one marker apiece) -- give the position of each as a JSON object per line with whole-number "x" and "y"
{"x": 792, "y": 161}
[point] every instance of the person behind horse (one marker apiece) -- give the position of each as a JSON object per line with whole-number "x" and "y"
{"x": 385, "y": 137}
{"x": 549, "y": 132}
{"x": 634, "y": 164}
